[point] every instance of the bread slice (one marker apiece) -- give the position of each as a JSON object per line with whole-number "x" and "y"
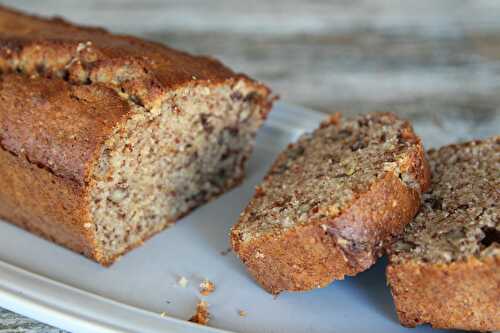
{"x": 446, "y": 268}
{"x": 107, "y": 139}
{"x": 331, "y": 202}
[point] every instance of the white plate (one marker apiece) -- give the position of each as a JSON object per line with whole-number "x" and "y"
{"x": 56, "y": 286}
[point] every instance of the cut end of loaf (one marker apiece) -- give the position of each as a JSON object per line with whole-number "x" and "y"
{"x": 160, "y": 164}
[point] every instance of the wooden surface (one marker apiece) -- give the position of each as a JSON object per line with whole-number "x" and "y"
{"x": 430, "y": 61}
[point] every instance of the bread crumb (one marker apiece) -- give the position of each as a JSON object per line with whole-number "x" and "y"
{"x": 183, "y": 282}
{"x": 242, "y": 313}
{"x": 207, "y": 287}
{"x": 334, "y": 119}
{"x": 202, "y": 316}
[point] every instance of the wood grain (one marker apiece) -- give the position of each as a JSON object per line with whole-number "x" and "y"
{"x": 434, "y": 62}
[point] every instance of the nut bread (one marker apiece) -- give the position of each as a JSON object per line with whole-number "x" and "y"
{"x": 445, "y": 270}
{"x": 106, "y": 139}
{"x": 331, "y": 202}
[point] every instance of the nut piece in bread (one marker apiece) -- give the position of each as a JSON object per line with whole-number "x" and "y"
{"x": 331, "y": 202}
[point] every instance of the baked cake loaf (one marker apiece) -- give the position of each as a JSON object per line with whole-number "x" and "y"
{"x": 107, "y": 139}
{"x": 331, "y": 202}
{"x": 446, "y": 268}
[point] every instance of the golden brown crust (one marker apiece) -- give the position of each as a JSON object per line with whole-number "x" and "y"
{"x": 460, "y": 295}
{"x": 110, "y": 260}
{"x": 43, "y": 203}
{"x": 57, "y": 125}
{"x": 50, "y": 135}
{"x": 313, "y": 254}
{"x": 309, "y": 256}
{"x": 144, "y": 70}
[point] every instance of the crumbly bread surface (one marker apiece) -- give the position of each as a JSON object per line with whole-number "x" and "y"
{"x": 460, "y": 213}
{"x": 107, "y": 139}
{"x": 331, "y": 201}
{"x": 446, "y": 268}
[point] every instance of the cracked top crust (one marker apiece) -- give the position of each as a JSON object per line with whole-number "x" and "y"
{"x": 320, "y": 176}
{"x": 141, "y": 69}
{"x": 67, "y": 124}
{"x": 460, "y": 216}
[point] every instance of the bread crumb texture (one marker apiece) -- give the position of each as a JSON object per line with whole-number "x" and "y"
{"x": 319, "y": 176}
{"x": 460, "y": 216}
{"x": 202, "y": 316}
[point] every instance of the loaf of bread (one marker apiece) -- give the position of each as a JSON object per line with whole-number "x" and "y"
{"x": 331, "y": 202}
{"x": 107, "y": 139}
{"x": 446, "y": 268}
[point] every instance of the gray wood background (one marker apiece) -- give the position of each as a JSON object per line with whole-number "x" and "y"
{"x": 431, "y": 61}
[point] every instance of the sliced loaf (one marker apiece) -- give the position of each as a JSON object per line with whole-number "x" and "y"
{"x": 446, "y": 268}
{"x": 107, "y": 139}
{"x": 331, "y": 202}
